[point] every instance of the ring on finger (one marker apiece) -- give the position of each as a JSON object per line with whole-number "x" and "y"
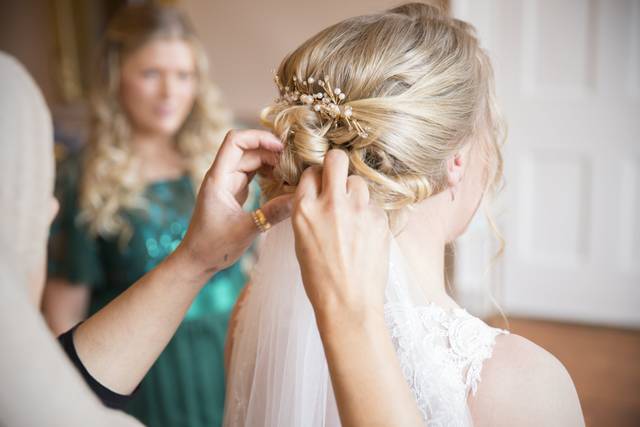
{"x": 260, "y": 220}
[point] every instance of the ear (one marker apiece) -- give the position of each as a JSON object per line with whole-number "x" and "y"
{"x": 455, "y": 169}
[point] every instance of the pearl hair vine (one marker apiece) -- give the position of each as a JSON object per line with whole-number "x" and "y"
{"x": 327, "y": 101}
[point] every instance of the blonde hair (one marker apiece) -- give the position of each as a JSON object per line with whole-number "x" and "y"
{"x": 109, "y": 179}
{"x": 420, "y": 84}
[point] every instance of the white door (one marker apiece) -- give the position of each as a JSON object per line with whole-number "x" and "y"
{"x": 568, "y": 79}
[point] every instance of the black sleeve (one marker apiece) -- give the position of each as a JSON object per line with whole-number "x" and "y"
{"x": 109, "y": 398}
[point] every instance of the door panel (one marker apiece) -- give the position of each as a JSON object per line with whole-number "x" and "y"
{"x": 568, "y": 81}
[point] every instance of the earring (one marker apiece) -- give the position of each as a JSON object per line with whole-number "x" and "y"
{"x": 453, "y": 194}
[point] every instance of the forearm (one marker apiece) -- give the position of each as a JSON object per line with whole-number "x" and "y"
{"x": 120, "y": 343}
{"x": 60, "y": 321}
{"x": 64, "y": 304}
{"x": 366, "y": 376}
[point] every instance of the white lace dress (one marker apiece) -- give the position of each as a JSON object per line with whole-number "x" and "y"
{"x": 441, "y": 352}
{"x": 278, "y": 374}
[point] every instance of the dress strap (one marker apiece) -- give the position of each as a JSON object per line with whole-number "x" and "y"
{"x": 472, "y": 342}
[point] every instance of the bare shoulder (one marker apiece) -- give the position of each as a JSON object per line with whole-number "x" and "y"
{"x": 523, "y": 384}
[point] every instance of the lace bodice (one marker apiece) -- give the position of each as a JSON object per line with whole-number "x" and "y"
{"x": 441, "y": 352}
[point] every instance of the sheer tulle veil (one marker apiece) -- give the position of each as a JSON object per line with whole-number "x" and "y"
{"x": 278, "y": 374}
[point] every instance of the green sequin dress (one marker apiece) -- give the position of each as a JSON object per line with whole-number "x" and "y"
{"x": 185, "y": 387}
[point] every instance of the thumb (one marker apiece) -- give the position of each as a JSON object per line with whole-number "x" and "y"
{"x": 278, "y": 209}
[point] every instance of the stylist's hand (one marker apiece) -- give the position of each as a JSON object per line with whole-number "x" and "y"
{"x": 220, "y": 230}
{"x": 342, "y": 240}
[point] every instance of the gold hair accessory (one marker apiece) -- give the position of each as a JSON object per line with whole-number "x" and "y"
{"x": 260, "y": 220}
{"x": 327, "y": 101}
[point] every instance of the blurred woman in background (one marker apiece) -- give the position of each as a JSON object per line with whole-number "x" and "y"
{"x": 126, "y": 201}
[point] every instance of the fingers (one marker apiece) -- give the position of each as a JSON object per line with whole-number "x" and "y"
{"x": 278, "y": 209}
{"x": 252, "y": 160}
{"x": 237, "y": 143}
{"x": 335, "y": 172}
{"x": 310, "y": 183}
{"x": 381, "y": 218}
{"x": 358, "y": 190}
{"x": 275, "y": 210}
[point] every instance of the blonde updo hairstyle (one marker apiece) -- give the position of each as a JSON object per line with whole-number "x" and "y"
{"x": 417, "y": 81}
{"x": 110, "y": 180}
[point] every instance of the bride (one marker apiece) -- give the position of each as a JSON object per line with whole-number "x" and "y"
{"x": 407, "y": 94}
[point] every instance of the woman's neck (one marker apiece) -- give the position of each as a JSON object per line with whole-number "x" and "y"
{"x": 144, "y": 143}
{"x": 158, "y": 157}
{"x": 422, "y": 241}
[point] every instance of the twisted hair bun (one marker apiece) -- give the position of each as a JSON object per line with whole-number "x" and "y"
{"x": 414, "y": 78}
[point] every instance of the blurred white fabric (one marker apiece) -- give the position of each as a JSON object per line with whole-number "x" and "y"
{"x": 39, "y": 385}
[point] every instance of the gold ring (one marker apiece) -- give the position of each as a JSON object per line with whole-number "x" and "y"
{"x": 260, "y": 220}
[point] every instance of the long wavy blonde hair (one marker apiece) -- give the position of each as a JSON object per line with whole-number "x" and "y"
{"x": 110, "y": 181}
{"x": 416, "y": 79}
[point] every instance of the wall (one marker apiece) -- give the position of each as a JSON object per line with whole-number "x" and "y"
{"x": 26, "y": 33}
{"x": 246, "y": 40}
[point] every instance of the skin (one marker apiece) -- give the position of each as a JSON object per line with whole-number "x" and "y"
{"x": 337, "y": 230}
{"x": 157, "y": 93}
{"x": 342, "y": 267}
{"x": 120, "y": 343}
{"x": 158, "y": 87}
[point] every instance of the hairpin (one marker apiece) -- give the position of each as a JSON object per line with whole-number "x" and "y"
{"x": 327, "y": 101}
